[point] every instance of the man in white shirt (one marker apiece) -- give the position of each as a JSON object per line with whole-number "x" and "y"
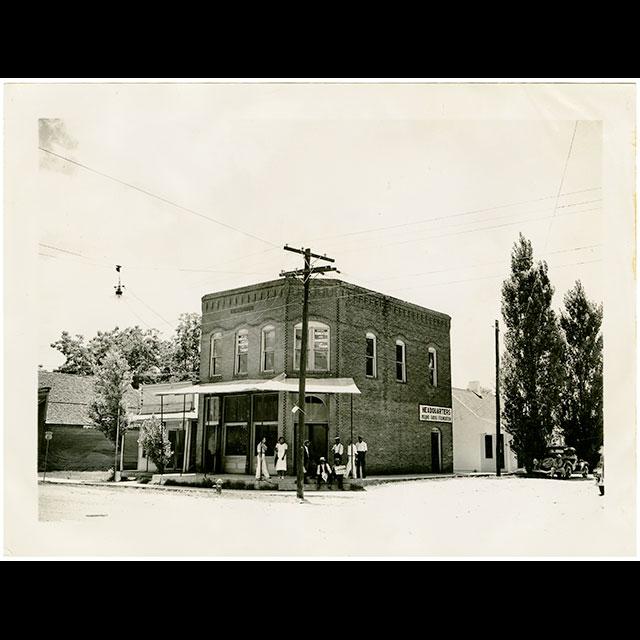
{"x": 337, "y": 449}
{"x": 361, "y": 449}
{"x": 352, "y": 464}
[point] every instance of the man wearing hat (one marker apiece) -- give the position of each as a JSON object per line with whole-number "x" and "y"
{"x": 323, "y": 473}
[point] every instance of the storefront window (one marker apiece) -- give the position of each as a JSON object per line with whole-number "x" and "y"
{"x": 265, "y": 407}
{"x": 236, "y": 408}
{"x": 212, "y": 410}
{"x": 236, "y": 441}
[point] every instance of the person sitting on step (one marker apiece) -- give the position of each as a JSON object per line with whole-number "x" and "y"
{"x": 323, "y": 473}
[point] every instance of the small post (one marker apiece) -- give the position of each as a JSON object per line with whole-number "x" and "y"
{"x": 498, "y": 447}
{"x": 115, "y": 459}
{"x": 47, "y": 436}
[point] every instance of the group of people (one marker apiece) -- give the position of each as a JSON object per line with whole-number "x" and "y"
{"x": 324, "y": 472}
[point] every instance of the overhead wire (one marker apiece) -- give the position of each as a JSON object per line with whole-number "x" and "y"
{"x": 157, "y": 197}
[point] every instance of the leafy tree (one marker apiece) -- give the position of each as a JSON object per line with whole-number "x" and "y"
{"x": 186, "y": 347}
{"x": 532, "y": 370}
{"x": 155, "y": 441}
{"x": 581, "y": 416}
{"x": 150, "y": 358}
{"x": 112, "y": 381}
{"x": 78, "y": 357}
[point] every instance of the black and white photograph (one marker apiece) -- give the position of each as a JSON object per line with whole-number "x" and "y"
{"x": 263, "y": 319}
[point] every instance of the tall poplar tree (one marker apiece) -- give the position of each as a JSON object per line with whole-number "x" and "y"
{"x": 532, "y": 370}
{"x": 581, "y": 407}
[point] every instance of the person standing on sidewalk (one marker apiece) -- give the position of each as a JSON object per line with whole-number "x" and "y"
{"x": 338, "y": 449}
{"x": 351, "y": 460}
{"x": 281, "y": 457}
{"x": 361, "y": 449}
{"x": 261, "y": 460}
{"x": 307, "y": 461}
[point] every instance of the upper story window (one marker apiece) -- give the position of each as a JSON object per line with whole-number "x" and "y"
{"x": 371, "y": 365}
{"x": 267, "y": 358}
{"x": 242, "y": 351}
{"x": 214, "y": 354}
{"x": 433, "y": 367}
{"x": 317, "y": 347}
{"x": 401, "y": 361}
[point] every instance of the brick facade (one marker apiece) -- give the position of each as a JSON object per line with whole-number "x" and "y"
{"x": 386, "y": 413}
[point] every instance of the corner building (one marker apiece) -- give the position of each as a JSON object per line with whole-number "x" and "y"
{"x": 396, "y": 353}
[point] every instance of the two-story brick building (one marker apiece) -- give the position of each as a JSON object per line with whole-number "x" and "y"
{"x": 396, "y": 354}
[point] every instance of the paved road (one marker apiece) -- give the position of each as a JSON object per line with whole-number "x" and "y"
{"x": 456, "y": 516}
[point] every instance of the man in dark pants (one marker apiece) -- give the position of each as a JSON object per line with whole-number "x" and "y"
{"x": 361, "y": 451}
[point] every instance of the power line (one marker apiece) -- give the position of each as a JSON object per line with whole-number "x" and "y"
{"x": 150, "y": 308}
{"x": 469, "y": 222}
{"x": 157, "y": 197}
{"x": 455, "y": 233}
{"x": 454, "y": 215}
{"x": 564, "y": 173}
{"x": 375, "y": 293}
{"x": 470, "y": 266}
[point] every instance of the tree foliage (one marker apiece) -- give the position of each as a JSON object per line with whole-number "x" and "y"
{"x": 149, "y": 357}
{"x": 532, "y": 367}
{"x": 112, "y": 380}
{"x": 186, "y": 347}
{"x": 78, "y": 356}
{"x": 155, "y": 441}
{"x": 581, "y": 417}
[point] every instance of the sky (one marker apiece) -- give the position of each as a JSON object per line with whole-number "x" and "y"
{"x": 411, "y": 196}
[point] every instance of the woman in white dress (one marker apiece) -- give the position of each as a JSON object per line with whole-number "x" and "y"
{"x": 261, "y": 460}
{"x": 281, "y": 456}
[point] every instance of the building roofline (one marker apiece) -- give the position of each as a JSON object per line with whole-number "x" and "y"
{"x": 326, "y": 282}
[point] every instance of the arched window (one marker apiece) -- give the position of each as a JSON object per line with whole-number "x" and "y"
{"x": 242, "y": 351}
{"x": 267, "y": 357}
{"x": 401, "y": 361}
{"x": 317, "y": 346}
{"x": 371, "y": 364}
{"x": 433, "y": 367}
{"x": 214, "y": 354}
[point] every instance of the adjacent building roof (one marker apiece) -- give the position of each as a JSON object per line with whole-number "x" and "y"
{"x": 70, "y": 396}
{"x": 150, "y": 400}
{"x": 471, "y": 408}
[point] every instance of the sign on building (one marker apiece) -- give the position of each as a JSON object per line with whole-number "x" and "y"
{"x": 435, "y": 414}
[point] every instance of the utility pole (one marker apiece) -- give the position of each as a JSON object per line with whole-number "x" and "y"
{"x": 115, "y": 461}
{"x": 306, "y": 274}
{"x": 498, "y": 445}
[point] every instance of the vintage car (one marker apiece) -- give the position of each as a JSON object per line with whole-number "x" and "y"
{"x": 561, "y": 462}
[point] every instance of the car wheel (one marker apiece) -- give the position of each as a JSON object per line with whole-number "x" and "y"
{"x": 567, "y": 472}
{"x": 585, "y": 471}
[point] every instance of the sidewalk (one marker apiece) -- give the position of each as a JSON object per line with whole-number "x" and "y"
{"x": 236, "y": 482}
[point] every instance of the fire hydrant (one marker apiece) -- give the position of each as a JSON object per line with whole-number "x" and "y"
{"x": 219, "y": 486}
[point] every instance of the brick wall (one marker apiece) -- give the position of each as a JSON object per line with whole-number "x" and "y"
{"x": 386, "y": 414}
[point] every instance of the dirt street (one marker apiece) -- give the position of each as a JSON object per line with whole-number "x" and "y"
{"x": 454, "y": 516}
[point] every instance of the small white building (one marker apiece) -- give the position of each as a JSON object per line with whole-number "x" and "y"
{"x": 474, "y": 432}
{"x": 180, "y": 417}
